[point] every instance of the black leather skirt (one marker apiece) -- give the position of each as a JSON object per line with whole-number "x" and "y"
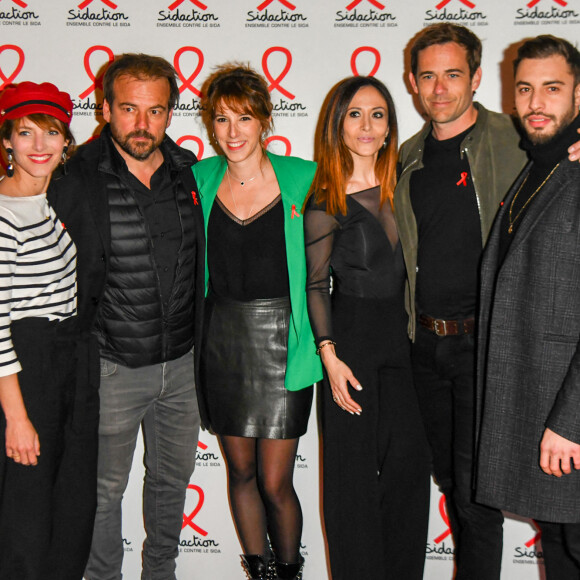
{"x": 243, "y": 370}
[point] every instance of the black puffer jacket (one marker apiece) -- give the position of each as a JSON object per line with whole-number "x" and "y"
{"x": 133, "y": 328}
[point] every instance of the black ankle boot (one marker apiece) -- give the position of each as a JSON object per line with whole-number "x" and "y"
{"x": 256, "y": 566}
{"x": 286, "y": 571}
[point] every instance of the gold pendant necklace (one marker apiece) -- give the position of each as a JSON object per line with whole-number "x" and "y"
{"x": 513, "y": 221}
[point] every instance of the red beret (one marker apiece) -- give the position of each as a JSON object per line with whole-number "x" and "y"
{"x": 27, "y": 98}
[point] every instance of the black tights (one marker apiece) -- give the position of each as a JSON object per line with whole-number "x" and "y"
{"x": 262, "y": 495}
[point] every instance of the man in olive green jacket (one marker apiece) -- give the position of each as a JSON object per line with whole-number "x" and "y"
{"x": 452, "y": 177}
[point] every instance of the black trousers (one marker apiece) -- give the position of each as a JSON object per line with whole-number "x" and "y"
{"x": 376, "y": 467}
{"x": 561, "y": 548}
{"x": 47, "y": 511}
{"x": 444, "y": 374}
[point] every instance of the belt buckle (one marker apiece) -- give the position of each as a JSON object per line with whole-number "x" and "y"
{"x": 438, "y": 324}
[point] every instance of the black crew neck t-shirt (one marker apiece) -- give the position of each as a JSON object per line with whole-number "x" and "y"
{"x": 449, "y": 228}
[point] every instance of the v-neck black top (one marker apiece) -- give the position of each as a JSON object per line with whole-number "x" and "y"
{"x": 359, "y": 251}
{"x": 247, "y": 258}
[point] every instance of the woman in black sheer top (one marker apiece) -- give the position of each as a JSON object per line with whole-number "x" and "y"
{"x": 376, "y": 462}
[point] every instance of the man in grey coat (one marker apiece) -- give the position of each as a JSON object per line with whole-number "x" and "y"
{"x": 528, "y": 386}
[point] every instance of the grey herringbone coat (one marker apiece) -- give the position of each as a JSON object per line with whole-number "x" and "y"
{"x": 529, "y": 353}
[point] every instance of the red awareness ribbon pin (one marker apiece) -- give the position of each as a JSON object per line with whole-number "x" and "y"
{"x": 463, "y": 180}
{"x": 294, "y": 212}
{"x": 195, "y": 202}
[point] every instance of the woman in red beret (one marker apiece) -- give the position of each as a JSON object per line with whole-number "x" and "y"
{"x": 48, "y": 423}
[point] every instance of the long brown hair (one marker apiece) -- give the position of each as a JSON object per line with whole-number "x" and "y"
{"x": 335, "y": 165}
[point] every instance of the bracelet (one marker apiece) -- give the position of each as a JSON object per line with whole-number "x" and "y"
{"x": 320, "y": 347}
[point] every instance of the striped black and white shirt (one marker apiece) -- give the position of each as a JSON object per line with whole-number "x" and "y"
{"x": 37, "y": 269}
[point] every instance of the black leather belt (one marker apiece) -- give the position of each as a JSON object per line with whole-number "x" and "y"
{"x": 447, "y": 327}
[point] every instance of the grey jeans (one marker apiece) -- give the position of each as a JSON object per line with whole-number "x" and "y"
{"x": 161, "y": 398}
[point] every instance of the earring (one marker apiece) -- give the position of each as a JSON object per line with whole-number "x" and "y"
{"x": 64, "y": 159}
{"x": 386, "y": 141}
{"x": 10, "y": 168}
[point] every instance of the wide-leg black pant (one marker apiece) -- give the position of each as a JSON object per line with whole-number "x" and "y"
{"x": 47, "y": 510}
{"x": 376, "y": 466}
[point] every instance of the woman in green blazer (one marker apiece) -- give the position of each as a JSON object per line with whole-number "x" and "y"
{"x": 258, "y": 356}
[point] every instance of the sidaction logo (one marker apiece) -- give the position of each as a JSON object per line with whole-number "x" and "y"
{"x": 278, "y": 144}
{"x": 285, "y": 107}
{"x": 364, "y": 14}
{"x": 127, "y": 545}
{"x": 301, "y": 462}
{"x": 191, "y": 54}
{"x": 97, "y": 13}
{"x": 365, "y": 50}
{"x": 14, "y": 13}
{"x": 12, "y": 63}
{"x": 199, "y": 542}
{"x": 187, "y": 14}
{"x": 84, "y": 105}
{"x": 438, "y": 550}
{"x": 536, "y": 12}
{"x": 276, "y": 14}
{"x": 203, "y": 457}
{"x": 456, "y": 10}
{"x": 199, "y": 154}
{"x": 529, "y": 552}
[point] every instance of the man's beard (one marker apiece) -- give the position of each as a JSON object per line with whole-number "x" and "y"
{"x": 541, "y": 138}
{"x": 139, "y": 151}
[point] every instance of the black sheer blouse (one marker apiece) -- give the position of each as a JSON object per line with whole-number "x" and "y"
{"x": 359, "y": 251}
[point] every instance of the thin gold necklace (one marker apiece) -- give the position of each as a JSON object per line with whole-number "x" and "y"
{"x": 513, "y": 221}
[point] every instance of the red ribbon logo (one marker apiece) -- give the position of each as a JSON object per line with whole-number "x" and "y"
{"x": 355, "y": 3}
{"x": 294, "y": 212}
{"x": 283, "y": 140}
{"x": 180, "y": 2}
{"x": 534, "y": 2}
{"x": 445, "y": 2}
{"x": 199, "y": 155}
{"x": 6, "y": 80}
{"x": 275, "y": 83}
{"x": 97, "y": 81}
{"x": 20, "y": 3}
{"x": 187, "y": 82}
{"x": 370, "y": 49}
{"x": 537, "y": 537}
{"x": 201, "y": 444}
{"x": 267, "y": 3}
{"x": 463, "y": 180}
{"x": 108, "y": 3}
{"x": 445, "y": 518}
{"x": 188, "y": 519}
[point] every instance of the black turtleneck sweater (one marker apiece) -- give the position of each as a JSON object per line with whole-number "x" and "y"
{"x": 545, "y": 158}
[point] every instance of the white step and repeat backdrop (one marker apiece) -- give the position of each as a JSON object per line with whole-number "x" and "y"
{"x": 303, "y": 47}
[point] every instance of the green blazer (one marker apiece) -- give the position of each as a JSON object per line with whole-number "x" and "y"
{"x": 294, "y": 176}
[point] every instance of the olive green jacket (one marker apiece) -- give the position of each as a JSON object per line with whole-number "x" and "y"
{"x": 495, "y": 160}
{"x": 303, "y": 367}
